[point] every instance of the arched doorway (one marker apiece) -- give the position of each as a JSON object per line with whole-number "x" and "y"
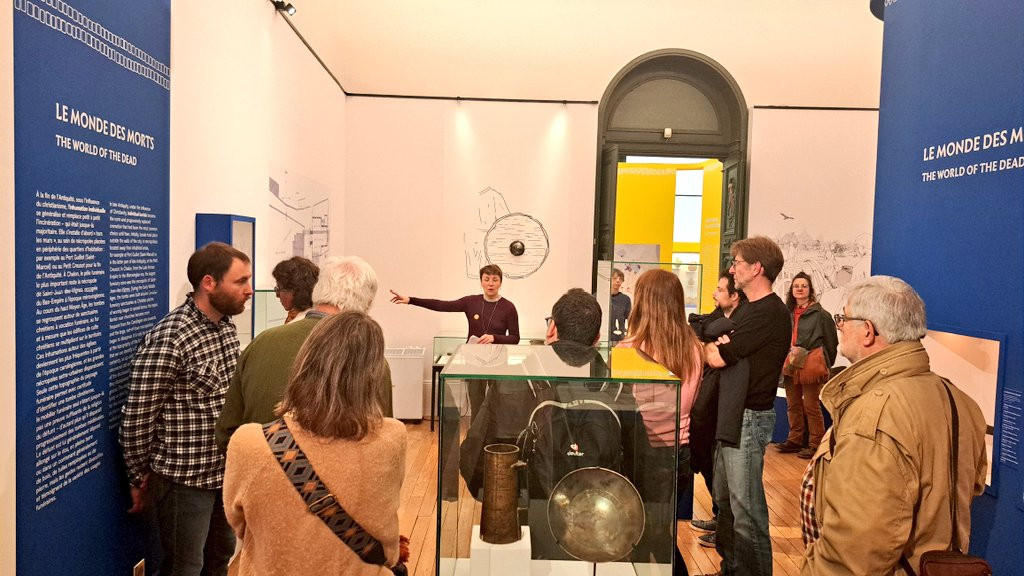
{"x": 701, "y": 103}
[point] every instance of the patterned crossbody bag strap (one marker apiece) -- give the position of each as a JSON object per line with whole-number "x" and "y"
{"x": 317, "y": 497}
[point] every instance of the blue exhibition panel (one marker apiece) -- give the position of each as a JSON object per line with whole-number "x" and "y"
{"x": 91, "y": 156}
{"x": 949, "y": 208}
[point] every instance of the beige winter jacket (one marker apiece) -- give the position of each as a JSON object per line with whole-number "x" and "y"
{"x": 883, "y": 489}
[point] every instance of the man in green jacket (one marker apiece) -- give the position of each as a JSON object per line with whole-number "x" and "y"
{"x": 261, "y": 376}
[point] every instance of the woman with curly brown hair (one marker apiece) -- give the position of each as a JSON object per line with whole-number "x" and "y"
{"x": 295, "y": 279}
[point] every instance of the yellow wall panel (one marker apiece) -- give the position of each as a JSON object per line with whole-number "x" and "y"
{"x": 710, "y": 233}
{"x": 645, "y": 203}
{"x": 645, "y": 213}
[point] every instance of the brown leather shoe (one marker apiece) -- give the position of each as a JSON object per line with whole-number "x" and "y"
{"x": 807, "y": 453}
{"x": 788, "y": 447}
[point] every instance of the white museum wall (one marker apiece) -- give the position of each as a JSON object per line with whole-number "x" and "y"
{"x": 245, "y": 94}
{"x": 785, "y": 52}
{"x": 812, "y": 190}
{"x": 415, "y": 171}
{"x": 7, "y": 408}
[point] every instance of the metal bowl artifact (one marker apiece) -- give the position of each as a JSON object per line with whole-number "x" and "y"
{"x": 596, "y": 514}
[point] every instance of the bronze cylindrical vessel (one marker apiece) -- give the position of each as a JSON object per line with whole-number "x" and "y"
{"x": 499, "y": 518}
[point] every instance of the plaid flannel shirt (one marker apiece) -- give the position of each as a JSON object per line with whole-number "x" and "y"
{"x": 808, "y": 519}
{"x": 179, "y": 379}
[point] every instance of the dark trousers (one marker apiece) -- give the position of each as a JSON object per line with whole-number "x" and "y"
{"x": 660, "y": 489}
{"x": 194, "y": 533}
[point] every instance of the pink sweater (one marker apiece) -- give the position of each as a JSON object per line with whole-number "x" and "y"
{"x": 657, "y": 403}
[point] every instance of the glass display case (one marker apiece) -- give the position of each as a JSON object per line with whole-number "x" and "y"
{"x": 445, "y": 343}
{"x": 556, "y": 460}
{"x": 616, "y": 304}
{"x": 266, "y": 311}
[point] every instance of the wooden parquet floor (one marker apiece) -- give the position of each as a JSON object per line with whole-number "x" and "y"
{"x": 418, "y": 510}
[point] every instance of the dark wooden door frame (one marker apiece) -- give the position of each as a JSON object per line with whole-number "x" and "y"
{"x": 728, "y": 144}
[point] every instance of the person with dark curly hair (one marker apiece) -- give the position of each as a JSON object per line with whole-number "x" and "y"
{"x": 295, "y": 279}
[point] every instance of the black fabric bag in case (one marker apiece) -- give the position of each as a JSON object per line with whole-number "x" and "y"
{"x": 562, "y": 436}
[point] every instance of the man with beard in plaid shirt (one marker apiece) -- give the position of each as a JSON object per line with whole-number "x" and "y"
{"x": 179, "y": 378}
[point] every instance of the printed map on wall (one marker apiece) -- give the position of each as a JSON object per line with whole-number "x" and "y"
{"x": 812, "y": 183}
{"x": 298, "y": 223}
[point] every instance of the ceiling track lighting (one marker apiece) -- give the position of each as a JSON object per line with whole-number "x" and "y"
{"x": 287, "y": 8}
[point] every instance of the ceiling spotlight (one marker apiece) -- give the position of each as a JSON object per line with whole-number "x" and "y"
{"x": 286, "y": 8}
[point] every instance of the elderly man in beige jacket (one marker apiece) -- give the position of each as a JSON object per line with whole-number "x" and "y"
{"x": 878, "y": 488}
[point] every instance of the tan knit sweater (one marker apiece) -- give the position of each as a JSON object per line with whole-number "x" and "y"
{"x": 279, "y": 535}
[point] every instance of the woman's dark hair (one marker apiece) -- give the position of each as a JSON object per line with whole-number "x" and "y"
{"x": 298, "y": 275}
{"x": 491, "y": 269}
{"x": 812, "y": 297}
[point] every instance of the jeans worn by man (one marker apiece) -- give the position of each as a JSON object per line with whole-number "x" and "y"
{"x": 201, "y": 540}
{"x": 761, "y": 339}
{"x": 742, "y": 538}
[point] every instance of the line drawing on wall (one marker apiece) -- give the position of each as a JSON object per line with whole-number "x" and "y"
{"x": 298, "y": 222}
{"x": 833, "y": 264}
{"x": 515, "y": 241}
{"x": 500, "y": 244}
{"x": 794, "y": 162}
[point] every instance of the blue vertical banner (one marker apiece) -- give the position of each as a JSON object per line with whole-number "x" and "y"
{"x": 91, "y": 158}
{"x": 949, "y": 204}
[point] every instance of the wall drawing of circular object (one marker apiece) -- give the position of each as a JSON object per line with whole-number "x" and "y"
{"x": 512, "y": 228}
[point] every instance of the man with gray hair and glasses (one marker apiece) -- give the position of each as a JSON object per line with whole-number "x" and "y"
{"x": 878, "y": 491}
{"x": 345, "y": 284}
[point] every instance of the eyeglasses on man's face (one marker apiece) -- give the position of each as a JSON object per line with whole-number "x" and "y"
{"x": 278, "y": 290}
{"x": 843, "y": 319}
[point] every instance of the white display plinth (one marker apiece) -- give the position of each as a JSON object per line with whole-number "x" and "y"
{"x": 499, "y": 559}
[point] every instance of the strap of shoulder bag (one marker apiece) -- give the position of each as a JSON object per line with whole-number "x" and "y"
{"x": 954, "y": 456}
{"x": 317, "y": 497}
{"x": 573, "y": 404}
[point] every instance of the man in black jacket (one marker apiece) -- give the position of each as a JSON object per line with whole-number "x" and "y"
{"x": 762, "y": 339}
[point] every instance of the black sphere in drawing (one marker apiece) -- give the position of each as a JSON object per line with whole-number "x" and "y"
{"x": 517, "y": 248}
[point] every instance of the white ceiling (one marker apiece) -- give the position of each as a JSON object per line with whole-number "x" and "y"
{"x": 782, "y": 52}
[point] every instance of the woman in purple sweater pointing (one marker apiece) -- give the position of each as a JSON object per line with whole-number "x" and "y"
{"x": 492, "y": 319}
